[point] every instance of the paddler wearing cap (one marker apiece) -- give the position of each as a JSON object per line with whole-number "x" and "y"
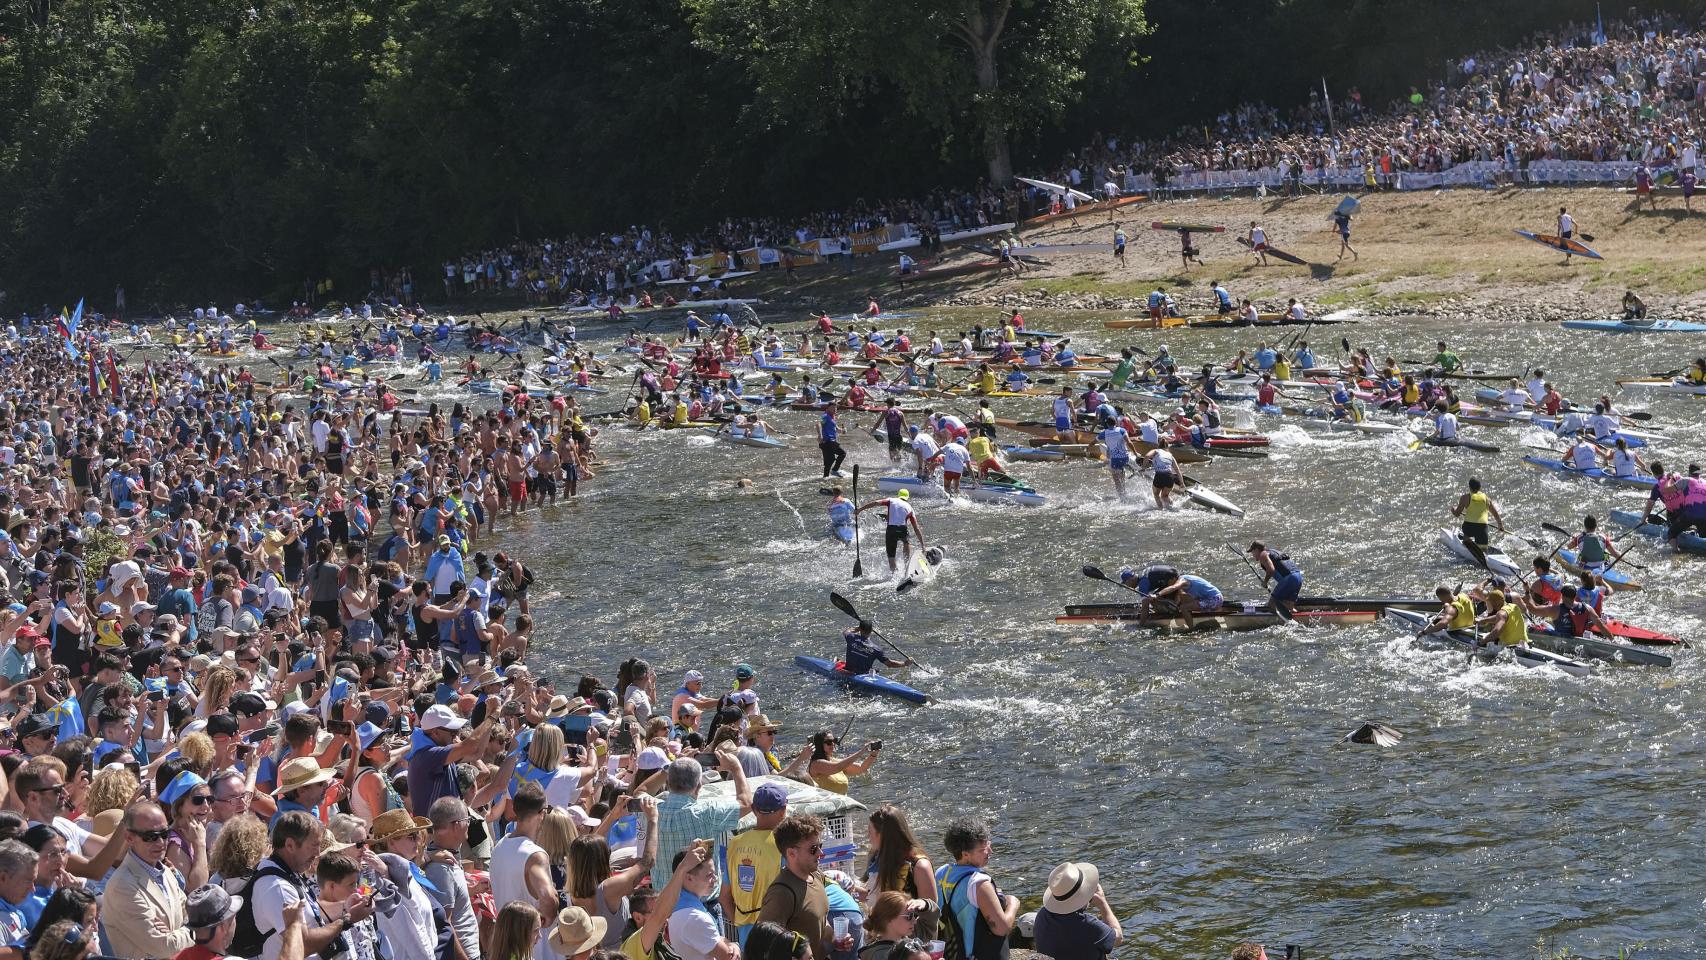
{"x": 900, "y": 516}
{"x": 1076, "y": 922}
{"x": 1504, "y": 620}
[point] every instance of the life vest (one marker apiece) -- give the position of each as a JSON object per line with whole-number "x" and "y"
{"x": 953, "y": 897}
{"x": 1572, "y": 620}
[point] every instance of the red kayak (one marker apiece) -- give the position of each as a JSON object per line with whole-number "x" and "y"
{"x": 1634, "y": 634}
{"x": 1237, "y": 443}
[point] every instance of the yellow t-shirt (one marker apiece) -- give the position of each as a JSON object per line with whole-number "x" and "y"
{"x": 980, "y": 449}
{"x": 107, "y": 633}
{"x": 752, "y": 863}
{"x": 1282, "y": 370}
{"x": 1515, "y": 630}
{"x": 1476, "y": 511}
{"x": 834, "y": 783}
{"x": 1462, "y": 613}
{"x": 643, "y": 412}
{"x": 633, "y": 951}
{"x": 680, "y": 416}
{"x": 986, "y": 382}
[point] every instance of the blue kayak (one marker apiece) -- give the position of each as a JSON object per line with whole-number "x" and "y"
{"x": 1689, "y": 542}
{"x": 1593, "y": 473}
{"x": 842, "y": 531}
{"x": 863, "y": 682}
{"x": 1635, "y": 326}
{"x": 1617, "y": 578}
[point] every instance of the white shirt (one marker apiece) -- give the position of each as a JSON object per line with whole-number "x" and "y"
{"x": 1115, "y": 440}
{"x": 509, "y": 871}
{"x": 1063, "y": 408}
{"x": 924, "y": 445}
{"x": 1537, "y": 389}
{"x": 1622, "y": 463}
{"x": 1566, "y": 223}
{"x": 899, "y": 512}
{"x": 693, "y": 934}
{"x": 272, "y": 895}
{"x": 1258, "y": 236}
{"x": 564, "y": 787}
{"x": 1163, "y": 462}
{"x": 1147, "y": 432}
{"x": 1582, "y": 457}
{"x": 955, "y": 457}
{"x": 1445, "y": 426}
{"x": 1601, "y": 426}
{"x": 1514, "y": 399}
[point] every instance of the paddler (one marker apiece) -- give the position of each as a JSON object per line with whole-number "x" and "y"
{"x": 1457, "y": 612}
{"x": 1566, "y": 230}
{"x": 955, "y": 459}
{"x": 893, "y": 424}
{"x": 1474, "y": 507}
{"x": 1122, "y": 370}
{"x": 1504, "y": 620}
{"x": 1304, "y": 358}
{"x": 1119, "y": 245}
{"x": 1257, "y": 239}
{"x": 863, "y": 655}
{"x": 841, "y": 514}
{"x": 1547, "y": 586}
{"x": 1593, "y": 548}
{"x": 983, "y": 456}
{"x": 1064, "y": 426}
{"x": 1188, "y": 595}
{"x": 1165, "y": 468}
{"x": 1684, "y": 500}
{"x": 1446, "y": 360}
{"x": 828, "y": 436}
{"x": 925, "y": 451}
{"x": 1150, "y": 578}
{"x": 900, "y": 517}
{"x": 1696, "y": 373}
{"x": 1445, "y": 423}
{"x": 1285, "y": 574}
{"x": 984, "y": 423}
{"x": 1570, "y": 616}
{"x": 1116, "y": 446}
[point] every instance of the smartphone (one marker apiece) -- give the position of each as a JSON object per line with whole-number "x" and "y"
{"x": 876, "y": 745}
{"x": 256, "y": 736}
{"x": 156, "y": 696}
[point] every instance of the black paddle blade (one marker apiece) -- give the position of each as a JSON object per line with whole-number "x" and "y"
{"x": 1346, "y": 343}
{"x": 844, "y": 605}
{"x": 1094, "y": 573}
{"x": 1554, "y": 528}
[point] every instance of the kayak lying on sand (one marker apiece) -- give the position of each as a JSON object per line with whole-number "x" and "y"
{"x": 1592, "y": 473}
{"x": 1497, "y": 561}
{"x": 986, "y": 492}
{"x": 1487, "y": 649}
{"x": 863, "y": 682}
{"x": 1689, "y": 542}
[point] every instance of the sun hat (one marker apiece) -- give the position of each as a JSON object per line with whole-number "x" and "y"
{"x": 396, "y": 823}
{"x": 1070, "y": 887}
{"x": 210, "y": 905}
{"x": 576, "y": 931}
{"x": 761, "y": 724}
{"x": 441, "y": 717}
{"x": 302, "y": 772}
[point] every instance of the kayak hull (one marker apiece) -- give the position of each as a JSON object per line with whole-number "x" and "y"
{"x": 872, "y": 683}
{"x": 1560, "y": 467}
{"x": 1635, "y": 326}
{"x": 1498, "y": 561}
{"x": 1689, "y": 542}
{"x": 987, "y": 493}
{"x": 1235, "y": 620}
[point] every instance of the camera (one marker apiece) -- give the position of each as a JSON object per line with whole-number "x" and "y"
{"x": 874, "y": 745}
{"x": 156, "y": 696}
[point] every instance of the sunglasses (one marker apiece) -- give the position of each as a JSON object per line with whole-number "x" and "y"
{"x": 151, "y": 836}
{"x": 59, "y": 789}
{"x": 200, "y": 799}
{"x": 815, "y": 849}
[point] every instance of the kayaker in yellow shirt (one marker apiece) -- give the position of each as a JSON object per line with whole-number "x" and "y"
{"x": 1457, "y": 612}
{"x": 1504, "y": 620}
{"x": 983, "y": 456}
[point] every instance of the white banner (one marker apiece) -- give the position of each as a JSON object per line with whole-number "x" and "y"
{"x": 1471, "y": 173}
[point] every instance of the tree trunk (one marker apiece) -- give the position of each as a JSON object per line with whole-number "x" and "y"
{"x": 983, "y": 27}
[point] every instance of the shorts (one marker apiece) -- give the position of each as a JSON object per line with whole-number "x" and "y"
{"x": 1118, "y": 464}
{"x": 893, "y": 537}
{"x": 1476, "y": 533}
{"x": 948, "y": 475}
{"x": 1260, "y": 247}
{"x": 1680, "y": 522}
{"x": 1210, "y": 603}
{"x": 988, "y": 465}
{"x": 1062, "y": 424}
{"x": 896, "y": 441}
{"x": 1166, "y": 481}
{"x": 518, "y": 489}
{"x": 1287, "y": 588}
{"x": 1566, "y": 234}
{"x": 546, "y": 487}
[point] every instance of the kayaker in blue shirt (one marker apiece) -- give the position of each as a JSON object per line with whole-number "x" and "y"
{"x": 863, "y": 655}
{"x": 1304, "y": 358}
{"x": 1287, "y": 578}
{"x": 1266, "y": 357}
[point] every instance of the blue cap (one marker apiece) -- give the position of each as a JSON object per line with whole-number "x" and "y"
{"x": 367, "y": 733}
{"x": 180, "y": 786}
{"x": 769, "y": 798}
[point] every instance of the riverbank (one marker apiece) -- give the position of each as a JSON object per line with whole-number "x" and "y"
{"x": 1447, "y": 254}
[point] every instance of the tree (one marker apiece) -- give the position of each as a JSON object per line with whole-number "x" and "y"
{"x": 945, "y": 60}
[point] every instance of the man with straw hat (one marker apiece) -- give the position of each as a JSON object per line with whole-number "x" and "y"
{"x": 1065, "y": 929}
{"x": 301, "y": 786}
{"x": 417, "y": 926}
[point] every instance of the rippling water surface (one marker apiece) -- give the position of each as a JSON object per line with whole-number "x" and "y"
{"x": 1201, "y": 773}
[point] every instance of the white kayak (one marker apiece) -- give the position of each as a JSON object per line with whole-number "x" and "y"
{"x": 744, "y": 440}
{"x": 977, "y": 493}
{"x": 1665, "y": 386}
{"x": 1487, "y": 649}
{"x": 1346, "y": 426}
{"x": 1498, "y": 562}
{"x": 1204, "y": 497}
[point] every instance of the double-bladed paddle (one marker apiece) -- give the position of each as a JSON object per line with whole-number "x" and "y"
{"x": 858, "y": 555}
{"x": 1567, "y": 535}
{"x": 846, "y": 606}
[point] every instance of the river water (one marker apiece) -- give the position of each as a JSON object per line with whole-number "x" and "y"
{"x": 1202, "y": 773}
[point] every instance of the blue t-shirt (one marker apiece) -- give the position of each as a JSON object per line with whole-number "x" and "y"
{"x": 1072, "y": 936}
{"x": 831, "y": 429}
{"x": 429, "y": 777}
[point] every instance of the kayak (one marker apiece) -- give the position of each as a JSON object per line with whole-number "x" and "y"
{"x": 975, "y": 492}
{"x": 842, "y": 531}
{"x": 1245, "y": 618}
{"x": 1529, "y": 656}
{"x": 1635, "y": 326}
{"x": 1593, "y": 648}
{"x": 863, "y": 682}
{"x": 1034, "y": 454}
{"x": 1353, "y": 604}
{"x": 1624, "y": 630}
{"x": 1592, "y": 473}
{"x": 1561, "y": 244}
{"x": 770, "y": 443}
{"x": 1621, "y": 581}
{"x": 1144, "y": 323}
{"x": 1497, "y": 560}
{"x": 1462, "y": 443}
{"x": 1204, "y": 497}
{"x": 1689, "y": 542}
{"x": 1664, "y": 385}
{"x": 1310, "y": 418}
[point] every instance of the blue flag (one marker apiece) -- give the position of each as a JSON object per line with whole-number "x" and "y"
{"x": 70, "y": 716}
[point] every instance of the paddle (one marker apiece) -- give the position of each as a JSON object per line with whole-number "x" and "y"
{"x": 858, "y": 555}
{"x": 846, "y": 606}
{"x": 1095, "y": 573}
{"x": 1257, "y": 573}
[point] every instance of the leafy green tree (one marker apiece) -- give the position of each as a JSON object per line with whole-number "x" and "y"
{"x": 979, "y": 69}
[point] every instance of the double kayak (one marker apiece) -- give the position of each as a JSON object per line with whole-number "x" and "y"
{"x": 747, "y": 440}
{"x": 1635, "y": 326}
{"x": 986, "y": 492}
{"x": 1525, "y": 656}
{"x": 1664, "y": 385}
{"x": 1492, "y": 558}
{"x": 1689, "y": 542}
{"x": 1226, "y": 618}
{"x": 874, "y": 683}
{"x": 1593, "y": 648}
{"x": 1345, "y": 604}
{"x": 1592, "y": 473}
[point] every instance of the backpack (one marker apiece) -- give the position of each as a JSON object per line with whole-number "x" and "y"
{"x": 249, "y": 940}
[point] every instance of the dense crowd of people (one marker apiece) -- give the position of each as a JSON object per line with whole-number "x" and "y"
{"x": 266, "y": 697}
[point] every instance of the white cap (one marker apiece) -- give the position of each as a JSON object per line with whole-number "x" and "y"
{"x": 441, "y": 717}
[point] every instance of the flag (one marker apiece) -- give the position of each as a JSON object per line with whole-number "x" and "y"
{"x": 68, "y": 328}
{"x": 153, "y": 384}
{"x": 70, "y": 717}
{"x": 96, "y": 387}
{"x": 1599, "y": 28}
{"x": 113, "y": 379}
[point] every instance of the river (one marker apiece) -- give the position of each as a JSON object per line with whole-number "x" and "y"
{"x": 1202, "y": 773}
